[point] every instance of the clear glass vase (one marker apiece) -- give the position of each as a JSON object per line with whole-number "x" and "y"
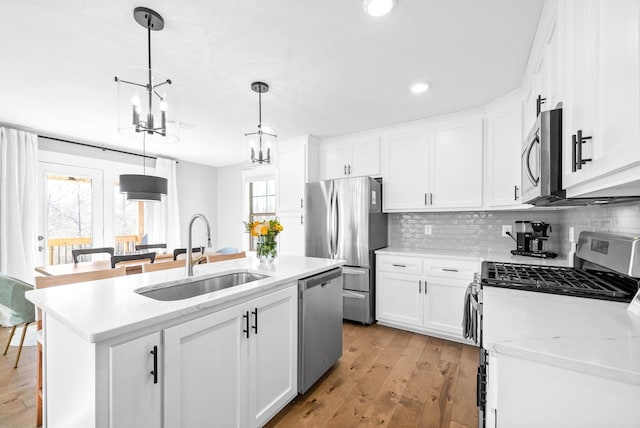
{"x": 266, "y": 248}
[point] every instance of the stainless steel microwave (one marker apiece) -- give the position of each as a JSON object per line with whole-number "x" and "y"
{"x": 542, "y": 161}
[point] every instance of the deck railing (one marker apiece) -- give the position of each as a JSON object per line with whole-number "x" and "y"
{"x": 59, "y": 249}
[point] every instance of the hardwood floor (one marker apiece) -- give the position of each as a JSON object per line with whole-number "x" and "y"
{"x": 394, "y": 378}
{"x": 386, "y": 377}
{"x": 17, "y": 386}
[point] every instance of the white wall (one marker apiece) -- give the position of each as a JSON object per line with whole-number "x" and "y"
{"x": 197, "y": 188}
{"x": 230, "y": 215}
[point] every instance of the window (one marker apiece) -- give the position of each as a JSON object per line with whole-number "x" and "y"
{"x": 262, "y": 202}
{"x": 69, "y": 215}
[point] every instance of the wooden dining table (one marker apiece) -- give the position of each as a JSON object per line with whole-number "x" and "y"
{"x": 132, "y": 266}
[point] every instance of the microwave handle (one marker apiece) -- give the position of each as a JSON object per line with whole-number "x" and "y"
{"x": 527, "y": 162}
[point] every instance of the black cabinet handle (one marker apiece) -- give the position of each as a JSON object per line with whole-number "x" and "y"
{"x": 515, "y": 193}
{"x": 425, "y": 199}
{"x": 345, "y": 169}
{"x": 425, "y": 286}
{"x": 574, "y": 152}
{"x": 246, "y": 323}
{"x": 349, "y": 169}
{"x": 255, "y": 320}
{"x": 449, "y": 270}
{"x": 154, "y": 372}
{"x": 579, "y": 141}
{"x": 420, "y": 287}
{"x": 539, "y": 102}
{"x": 430, "y": 198}
{"x": 301, "y": 218}
{"x": 399, "y": 265}
{"x": 301, "y": 203}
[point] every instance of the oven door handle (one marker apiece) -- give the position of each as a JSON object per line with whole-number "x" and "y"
{"x": 527, "y": 162}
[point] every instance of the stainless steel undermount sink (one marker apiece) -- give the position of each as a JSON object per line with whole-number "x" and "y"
{"x": 185, "y": 290}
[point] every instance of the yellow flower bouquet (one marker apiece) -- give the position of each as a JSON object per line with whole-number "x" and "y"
{"x": 266, "y": 232}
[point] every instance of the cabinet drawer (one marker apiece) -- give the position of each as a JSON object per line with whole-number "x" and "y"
{"x": 462, "y": 269}
{"x": 400, "y": 264}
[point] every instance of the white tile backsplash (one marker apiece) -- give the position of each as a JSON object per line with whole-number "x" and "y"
{"x": 481, "y": 230}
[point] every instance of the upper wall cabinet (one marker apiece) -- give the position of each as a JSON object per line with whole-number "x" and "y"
{"x": 296, "y": 160}
{"x": 601, "y": 129}
{"x": 544, "y": 88}
{"x": 433, "y": 167}
{"x": 349, "y": 157}
{"x": 504, "y": 141}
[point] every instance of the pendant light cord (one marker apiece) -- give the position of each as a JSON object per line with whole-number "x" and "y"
{"x": 144, "y": 151}
{"x": 149, "y": 88}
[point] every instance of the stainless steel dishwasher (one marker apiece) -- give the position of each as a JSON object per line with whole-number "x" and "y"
{"x": 319, "y": 326}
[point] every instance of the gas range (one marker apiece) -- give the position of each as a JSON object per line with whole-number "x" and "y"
{"x": 607, "y": 267}
{"x": 576, "y": 282}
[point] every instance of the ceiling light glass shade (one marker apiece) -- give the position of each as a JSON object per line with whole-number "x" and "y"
{"x": 259, "y": 150}
{"x": 260, "y": 143}
{"x": 143, "y": 187}
{"x": 134, "y": 114}
{"x": 378, "y": 7}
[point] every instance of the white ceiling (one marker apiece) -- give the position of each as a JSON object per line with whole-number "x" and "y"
{"x": 332, "y": 69}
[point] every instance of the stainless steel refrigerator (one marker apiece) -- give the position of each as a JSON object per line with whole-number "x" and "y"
{"x": 344, "y": 220}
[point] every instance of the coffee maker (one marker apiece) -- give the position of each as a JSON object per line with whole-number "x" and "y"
{"x": 531, "y": 239}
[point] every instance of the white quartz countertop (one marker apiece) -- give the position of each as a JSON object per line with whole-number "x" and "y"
{"x": 596, "y": 337}
{"x": 503, "y": 257}
{"x": 99, "y": 310}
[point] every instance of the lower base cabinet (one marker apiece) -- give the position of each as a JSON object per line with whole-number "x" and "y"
{"x": 233, "y": 368}
{"x": 236, "y": 367}
{"x": 423, "y": 294}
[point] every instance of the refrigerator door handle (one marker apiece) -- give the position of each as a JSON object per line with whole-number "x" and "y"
{"x": 336, "y": 235}
{"x": 330, "y": 224}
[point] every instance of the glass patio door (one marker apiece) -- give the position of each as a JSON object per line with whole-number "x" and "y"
{"x": 71, "y": 213}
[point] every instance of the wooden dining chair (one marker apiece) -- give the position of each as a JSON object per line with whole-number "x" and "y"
{"x": 84, "y": 251}
{"x": 150, "y": 246}
{"x": 179, "y": 251}
{"x": 148, "y": 267}
{"x": 212, "y": 258}
{"x": 130, "y": 257}
{"x": 52, "y": 281}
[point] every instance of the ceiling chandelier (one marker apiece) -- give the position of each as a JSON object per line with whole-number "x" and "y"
{"x": 260, "y": 144}
{"x": 142, "y": 117}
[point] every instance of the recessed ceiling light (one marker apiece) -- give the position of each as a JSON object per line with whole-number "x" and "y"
{"x": 378, "y": 7}
{"x": 419, "y": 88}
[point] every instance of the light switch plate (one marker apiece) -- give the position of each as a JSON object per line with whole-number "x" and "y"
{"x": 427, "y": 229}
{"x": 506, "y": 228}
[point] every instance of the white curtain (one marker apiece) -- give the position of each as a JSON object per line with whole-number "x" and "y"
{"x": 18, "y": 206}
{"x": 164, "y": 216}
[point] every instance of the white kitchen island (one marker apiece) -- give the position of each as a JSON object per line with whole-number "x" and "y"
{"x": 115, "y": 358}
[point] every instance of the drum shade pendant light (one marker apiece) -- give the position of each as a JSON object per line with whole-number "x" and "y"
{"x": 142, "y": 117}
{"x": 143, "y": 187}
{"x": 147, "y": 98}
{"x": 260, "y": 141}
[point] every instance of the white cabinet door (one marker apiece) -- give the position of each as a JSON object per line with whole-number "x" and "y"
{"x": 443, "y": 304}
{"x": 135, "y": 394}
{"x": 456, "y": 166}
{"x": 399, "y": 298}
{"x": 291, "y": 176}
{"x": 205, "y": 371}
{"x": 364, "y": 156}
{"x": 581, "y": 67}
{"x": 333, "y": 160}
{"x": 291, "y": 240}
{"x": 504, "y": 139}
{"x": 616, "y": 143}
{"x": 405, "y": 170}
{"x": 273, "y": 354}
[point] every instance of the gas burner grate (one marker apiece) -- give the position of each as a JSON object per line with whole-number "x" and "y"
{"x": 560, "y": 280}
